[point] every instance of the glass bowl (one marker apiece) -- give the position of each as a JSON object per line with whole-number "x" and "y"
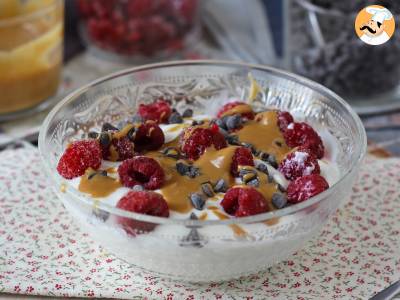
{"x": 194, "y": 250}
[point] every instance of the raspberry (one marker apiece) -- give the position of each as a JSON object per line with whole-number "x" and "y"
{"x": 306, "y": 187}
{"x": 302, "y": 134}
{"x": 241, "y": 157}
{"x": 142, "y": 202}
{"x": 78, "y": 157}
{"x": 299, "y": 163}
{"x": 229, "y": 106}
{"x": 123, "y": 147}
{"x": 141, "y": 170}
{"x": 243, "y": 202}
{"x": 284, "y": 119}
{"x": 158, "y": 111}
{"x": 149, "y": 136}
{"x": 195, "y": 140}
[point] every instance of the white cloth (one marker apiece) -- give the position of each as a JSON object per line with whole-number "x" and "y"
{"x": 375, "y": 40}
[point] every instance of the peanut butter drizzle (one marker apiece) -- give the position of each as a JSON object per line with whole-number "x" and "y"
{"x": 213, "y": 165}
{"x": 239, "y": 109}
{"x": 98, "y": 185}
{"x": 176, "y": 127}
{"x": 263, "y": 134}
{"x": 203, "y": 216}
{"x": 237, "y": 230}
{"x": 123, "y": 132}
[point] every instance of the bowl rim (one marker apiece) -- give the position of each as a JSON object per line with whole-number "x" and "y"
{"x": 75, "y": 194}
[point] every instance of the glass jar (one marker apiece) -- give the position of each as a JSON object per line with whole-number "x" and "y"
{"x": 324, "y": 46}
{"x": 31, "y": 36}
{"x": 138, "y": 30}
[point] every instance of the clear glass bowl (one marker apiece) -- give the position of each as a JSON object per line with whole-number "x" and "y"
{"x": 202, "y": 250}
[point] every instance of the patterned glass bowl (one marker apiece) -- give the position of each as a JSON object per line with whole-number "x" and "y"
{"x": 202, "y": 250}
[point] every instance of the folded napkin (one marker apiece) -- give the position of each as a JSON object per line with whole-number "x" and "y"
{"x": 44, "y": 252}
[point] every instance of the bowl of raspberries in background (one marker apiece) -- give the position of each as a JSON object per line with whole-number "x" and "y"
{"x": 202, "y": 170}
{"x": 138, "y": 30}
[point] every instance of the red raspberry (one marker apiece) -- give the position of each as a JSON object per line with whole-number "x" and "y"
{"x": 306, "y": 187}
{"x": 241, "y": 157}
{"x": 227, "y": 107}
{"x": 78, "y": 157}
{"x": 158, "y": 111}
{"x": 141, "y": 170}
{"x": 195, "y": 140}
{"x": 284, "y": 119}
{"x": 243, "y": 202}
{"x": 149, "y": 136}
{"x": 142, "y": 202}
{"x": 299, "y": 163}
{"x": 302, "y": 134}
{"x": 123, "y": 147}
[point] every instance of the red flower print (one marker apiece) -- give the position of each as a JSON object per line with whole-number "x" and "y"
{"x": 349, "y": 290}
{"x": 108, "y": 260}
{"x": 349, "y": 273}
{"x": 290, "y": 263}
{"x": 87, "y": 278}
{"x": 159, "y": 291}
{"x": 170, "y": 296}
{"x": 297, "y": 274}
{"x": 306, "y": 269}
{"x": 17, "y": 289}
{"x": 327, "y": 279}
{"x": 58, "y": 286}
{"x": 296, "y": 285}
{"x": 29, "y": 289}
{"x": 119, "y": 289}
{"x": 90, "y": 293}
{"x": 316, "y": 260}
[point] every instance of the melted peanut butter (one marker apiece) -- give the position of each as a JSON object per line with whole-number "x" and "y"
{"x": 264, "y": 133}
{"x": 239, "y": 109}
{"x": 203, "y": 216}
{"x": 237, "y": 230}
{"x": 213, "y": 165}
{"x": 123, "y": 132}
{"x": 176, "y": 127}
{"x": 98, "y": 185}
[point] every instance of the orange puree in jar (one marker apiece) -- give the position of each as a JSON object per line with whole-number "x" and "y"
{"x": 31, "y": 34}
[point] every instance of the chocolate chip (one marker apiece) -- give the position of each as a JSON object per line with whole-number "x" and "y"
{"x": 220, "y": 186}
{"x": 131, "y": 134}
{"x": 171, "y": 152}
{"x": 103, "y": 173}
{"x": 207, "y": 189}
{"x": 278, "y": 143}
{"x": 93, "y": 135}
{"x": 263, "y": 168}
{"x": 233, "y": 122}
{"x": 188, "y": 113}
{"x": 232, "y": 140}
{"x": 105, "y": 139}
{"x": 182, "y": 168}
{"x": 108, "y": 127}
{"x": 263, "y": 156}
{"x": 254, "y": 182}
{"x": 197, "y": 201}
{"x": 101, "y": 214}
{"x": 137, "y": 119}
{"x": 221, "y": 123}
{"x": 272, "y": 161}
{"x": 138, "y": 188}
{"x": 193, "y": 172}
{"x": 279, "y": 200}
{"x": 175, "y": 118}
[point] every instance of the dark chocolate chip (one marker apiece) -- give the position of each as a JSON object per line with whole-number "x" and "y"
{"x": 193, "y": 172}
{"x": 92, "y": 175}
{"x": 93, "y": 135}
{"x": 254, "y": 182}
{"x": 221, "y": 123}
{"x": 220, "y": 186}
{"x": 233, "y": 122}
{"x": 175, "y": 118}
{"x": 207, "y": 189}
{"x": 108, "y": 127}
{"x": 232, "y": 140}
{"x": 131, "y": 134}
{"x": 272, "y": 161}
{"x": 264, "y": 156}
{"x": 188, "y": 113}
{"x": 103, "y": 173}
{"x": 278, "y": 143}
{"x": 197, "y": 201}
{"x": 279, "y": 200}
{"x": 263, "y": 168}
{"x": 105, "y": 139}
{"x": 182, "y": 168}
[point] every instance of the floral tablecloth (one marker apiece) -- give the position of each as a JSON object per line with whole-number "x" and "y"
{"x": 43, "y": 252}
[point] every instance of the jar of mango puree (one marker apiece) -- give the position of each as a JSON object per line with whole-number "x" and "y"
{"x": 31, "y": 38}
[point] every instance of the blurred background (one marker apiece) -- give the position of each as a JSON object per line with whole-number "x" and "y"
{"x": 48, "y": 48}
